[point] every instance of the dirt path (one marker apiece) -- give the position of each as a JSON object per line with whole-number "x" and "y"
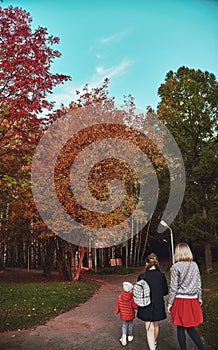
{"x": 90, "y": 326}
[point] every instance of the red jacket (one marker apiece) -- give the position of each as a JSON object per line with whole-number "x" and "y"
{"x": 126, "y": 306}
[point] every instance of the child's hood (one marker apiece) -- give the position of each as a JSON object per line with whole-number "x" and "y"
{"x": 126, "y": 296}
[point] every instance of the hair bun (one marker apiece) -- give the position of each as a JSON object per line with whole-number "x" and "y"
{"x": 152, "y": 260}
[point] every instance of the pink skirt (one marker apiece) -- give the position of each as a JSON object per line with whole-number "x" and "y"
{"x": 186, "y": 312}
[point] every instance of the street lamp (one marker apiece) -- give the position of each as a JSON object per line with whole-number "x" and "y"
{"x": 163, "y": 223}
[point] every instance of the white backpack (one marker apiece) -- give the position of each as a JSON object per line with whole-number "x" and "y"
{"x": 141, "y": 293}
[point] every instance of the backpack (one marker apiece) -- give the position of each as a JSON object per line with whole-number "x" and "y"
{"x": 141, "y": 293}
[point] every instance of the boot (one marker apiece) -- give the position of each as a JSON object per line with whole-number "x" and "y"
{"x": 123, "y": 340}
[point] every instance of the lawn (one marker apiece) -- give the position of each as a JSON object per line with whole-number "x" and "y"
{"x": 28, "y": 299}
{"x": 25, "y": 305}
{"x": 210, "y": 307}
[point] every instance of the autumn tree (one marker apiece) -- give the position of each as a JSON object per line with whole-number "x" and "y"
{"x": 117, "y": 124}
{"x": 189, "y": 108}
{"x": 25, "y": 80}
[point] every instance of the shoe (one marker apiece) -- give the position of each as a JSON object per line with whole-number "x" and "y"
{"x": 130, "y": 338}
{"x": 123, "y": 340}
{"x": 155, "y": 344}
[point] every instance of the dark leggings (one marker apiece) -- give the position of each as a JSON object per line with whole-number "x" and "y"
{"x": 193, "y": 335}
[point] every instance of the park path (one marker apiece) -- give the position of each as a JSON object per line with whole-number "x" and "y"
{"x": 90, "y": 326}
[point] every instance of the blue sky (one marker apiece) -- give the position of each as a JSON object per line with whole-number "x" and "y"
{"x": 132, "y": 42}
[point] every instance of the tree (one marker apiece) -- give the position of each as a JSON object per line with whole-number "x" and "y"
{"x": 25, "y": 80}
{"x": 189, "y": 108}
{"x": 94, "y": 103}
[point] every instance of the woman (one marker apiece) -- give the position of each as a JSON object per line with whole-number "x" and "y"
{"x": 154, "y": 312}
{"x": 184, "y": 302}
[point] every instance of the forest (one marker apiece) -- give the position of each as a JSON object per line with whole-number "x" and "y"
{"x": 188, "y": 109}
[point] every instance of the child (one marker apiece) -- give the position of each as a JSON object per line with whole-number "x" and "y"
{"x": 126, "y": 306}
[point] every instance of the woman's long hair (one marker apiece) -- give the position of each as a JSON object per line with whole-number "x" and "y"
{"x": 152, "y": 260}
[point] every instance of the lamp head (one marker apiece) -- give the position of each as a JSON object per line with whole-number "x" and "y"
{"x": 163, "y": 223}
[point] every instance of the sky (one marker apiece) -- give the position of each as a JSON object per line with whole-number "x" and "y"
{"x": 134, "y": 43}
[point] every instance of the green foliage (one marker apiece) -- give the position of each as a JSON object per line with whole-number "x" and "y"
{"x": 189, "y": 109}
{"x": 196, "y": 226}
{"x": 25, "y": 305}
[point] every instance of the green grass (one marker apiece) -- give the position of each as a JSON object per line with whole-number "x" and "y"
{"x": 26, "y": 305}
{"x": 210, "y": 307}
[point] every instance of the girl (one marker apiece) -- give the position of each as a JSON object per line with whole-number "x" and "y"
{"x": 126, "y": 307}
{"x": 184, "y": 302}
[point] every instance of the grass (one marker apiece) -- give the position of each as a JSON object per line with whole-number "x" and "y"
{"x": 210, "y": 307}
{"x": 28, "y": 299}
{"x": 25, "y": 305}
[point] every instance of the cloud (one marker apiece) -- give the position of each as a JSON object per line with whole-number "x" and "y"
{"x": 100, "y": 48}
{"x": 67, "y": 92}
{"x": 99, "y": 55}
{"x": 114, "y": 70}
{"x": 113, "y": 37}
{"x": 100, "y": 70}
{"x": 102, "y": 45}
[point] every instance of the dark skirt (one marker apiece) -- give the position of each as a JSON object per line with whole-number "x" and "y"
{"x": 186, "y": 312}
{"x": 152, "y": 312}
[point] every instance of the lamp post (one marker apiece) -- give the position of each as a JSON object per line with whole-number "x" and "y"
{"x": 163, "y": 223}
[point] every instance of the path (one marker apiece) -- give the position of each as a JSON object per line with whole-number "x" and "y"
{"x": 90, "y": 326}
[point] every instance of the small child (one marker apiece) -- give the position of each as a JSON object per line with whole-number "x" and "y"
{"x": 126, "y": 306}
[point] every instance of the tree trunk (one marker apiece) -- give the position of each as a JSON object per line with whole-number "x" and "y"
{"x": 208, "y": 257}
{"x": 4, "y": 236}
{"x": 131, "y": 243}
{"x": 145, "y": 243}
{"x": 81, "y": 256}
{"x": 95, "y": 260}
{"x": 62, "y": 261}
{"x": 48, "y": 254}
{"x": 136, "y": 244}
{"x": 101, "y": 257}
{"x": 139, "y": 245}
{"x": 127, "y": 253}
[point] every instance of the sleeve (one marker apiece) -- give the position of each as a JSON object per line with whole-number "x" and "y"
{"x": 164, "y": 285}
{"x": 199, "y": 290}
{"x": 134, "y": 305}
{"x": 174, "y": 284}
{"x": 117, "y": 307}
{"x": 139, "y": 277}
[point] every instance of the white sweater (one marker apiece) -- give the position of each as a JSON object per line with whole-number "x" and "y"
{"x": 185, "y": 281}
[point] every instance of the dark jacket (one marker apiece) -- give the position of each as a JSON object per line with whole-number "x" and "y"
{"x": 126, "y": 306}
{"x": 158, "y": 288}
